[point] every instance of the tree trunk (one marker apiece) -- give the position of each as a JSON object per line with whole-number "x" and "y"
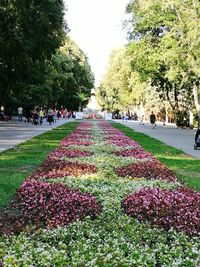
{"x": 166, "y": 115}
{"x": 191, "y": 119}
{"x": 196, "y": 101}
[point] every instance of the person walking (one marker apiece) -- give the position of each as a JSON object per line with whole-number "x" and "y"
{"x": 41, "y": 115}
{"x": 20, "y": 113}
{"x": 50, "y": 116}
{"x": 126, "y": 117}
{"x": 62, "y": 113}
{"x": 153, "y": 120}
{"x": 54, "y": 115}
{"x": 141, "y": 120}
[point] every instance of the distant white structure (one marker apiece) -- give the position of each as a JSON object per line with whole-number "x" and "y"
{"x": 79, "y": 115}
{"x": 92, "y": 111}
{"x": 108, "y": 116}
{"x": 92, "y": 105}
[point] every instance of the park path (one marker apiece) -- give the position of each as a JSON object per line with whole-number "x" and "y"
{"x": 13, "y": 133}
{"x": 182, "y": 139}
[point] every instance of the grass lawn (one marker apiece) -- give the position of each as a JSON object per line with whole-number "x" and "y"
{"x": 186, "y": 167}
{"x": 17, "y": 163}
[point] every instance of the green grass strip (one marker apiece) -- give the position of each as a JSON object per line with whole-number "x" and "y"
{"x": 186, "y": 167}
{"x": 17, "y": 163}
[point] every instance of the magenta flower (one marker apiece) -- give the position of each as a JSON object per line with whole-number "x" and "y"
{"x": 69, "y": 153}
{"x": 150, "y": 170}
{"x": 45, "y": 204}
{"x": 138, "y": 153}
{"x": 179, "y": 208}
{"x": 52, "y": 169}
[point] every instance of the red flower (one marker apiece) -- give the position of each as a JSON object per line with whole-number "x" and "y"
{"x": 149, "y": 170}
{"x": 179, "y": 208}
{"x": 49, "y": 205}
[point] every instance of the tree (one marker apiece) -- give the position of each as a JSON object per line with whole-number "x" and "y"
{"x": 169, "y": 49}
{"x": 121, "y": 88}
{"x": 70, "y": 77}
{"x": 31, "y": 31}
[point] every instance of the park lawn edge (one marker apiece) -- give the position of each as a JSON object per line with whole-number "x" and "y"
{"x": 18, "y": 162}
{"x": 185, "y": 166}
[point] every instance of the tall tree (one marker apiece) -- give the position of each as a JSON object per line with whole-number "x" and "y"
{"x": 31, "y": 31}
{"x": 121, "y": 87}
{"x": 166, "y": 30}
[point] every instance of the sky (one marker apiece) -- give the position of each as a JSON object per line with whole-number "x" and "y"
{"x": 96, "y": 27}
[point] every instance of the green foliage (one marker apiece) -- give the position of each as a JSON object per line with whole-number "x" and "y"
{"x": 34, "y": 69}
{"x": 31, "y": 31}
{"x": 163, "y": 54}
{"x": 77, "y": 78}
{"x": 167, "y": 47}
{"x": 121, "y": 87}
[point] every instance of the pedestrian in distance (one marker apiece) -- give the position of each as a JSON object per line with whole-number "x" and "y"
{"x": 54, "y": 115}
{"x": 20, "y": 113}
{"x": 35, "y": 117}
{"x": 58, "y": 114}
{"x": 126, "y": 117}
{"x": 197, "y": 139}
{"x": 50, "y": 116}
{"x": 153, "y": 120}
{"x": 141, "y": 120}
{"x": 41, "y": 115}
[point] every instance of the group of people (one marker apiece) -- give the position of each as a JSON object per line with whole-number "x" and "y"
{"x": 37, "y": 115}
{"x": 152, "y": 119}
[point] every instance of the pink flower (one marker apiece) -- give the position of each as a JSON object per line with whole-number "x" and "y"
{"x": 179, "y": 208}
{"x": 150, "y": 170}
{"x": 49, "y": 205}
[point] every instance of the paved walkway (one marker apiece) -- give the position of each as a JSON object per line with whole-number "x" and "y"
{"x": 14, "y": 132}
{"x": 182, "y": 139}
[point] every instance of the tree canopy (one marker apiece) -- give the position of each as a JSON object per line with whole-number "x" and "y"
{"x": 163, "y": 52}
{"x": 39, "y": 64}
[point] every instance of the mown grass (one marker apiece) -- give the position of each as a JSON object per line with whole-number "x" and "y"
{"x": 186, "y": 167}
{"x": 17, "y": 163}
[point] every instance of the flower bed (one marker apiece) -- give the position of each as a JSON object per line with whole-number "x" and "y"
{"x": 179, "y": 208}
{"x": 54, "y": 168}
{"x": 62, "y": 208}
{"x": 123, "y": 142}
{"x": 70, "y": 153}
{"x": 54, "y": 204}
{"x": 137, "y": 153}
{"x": 149, "y": 170}
{"x": 79, "y": 142}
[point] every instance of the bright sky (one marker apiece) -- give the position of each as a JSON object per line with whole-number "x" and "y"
{"x": 96, "y": 27}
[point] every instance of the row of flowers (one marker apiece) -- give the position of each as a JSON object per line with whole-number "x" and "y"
{"x": 50, "y": 205}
